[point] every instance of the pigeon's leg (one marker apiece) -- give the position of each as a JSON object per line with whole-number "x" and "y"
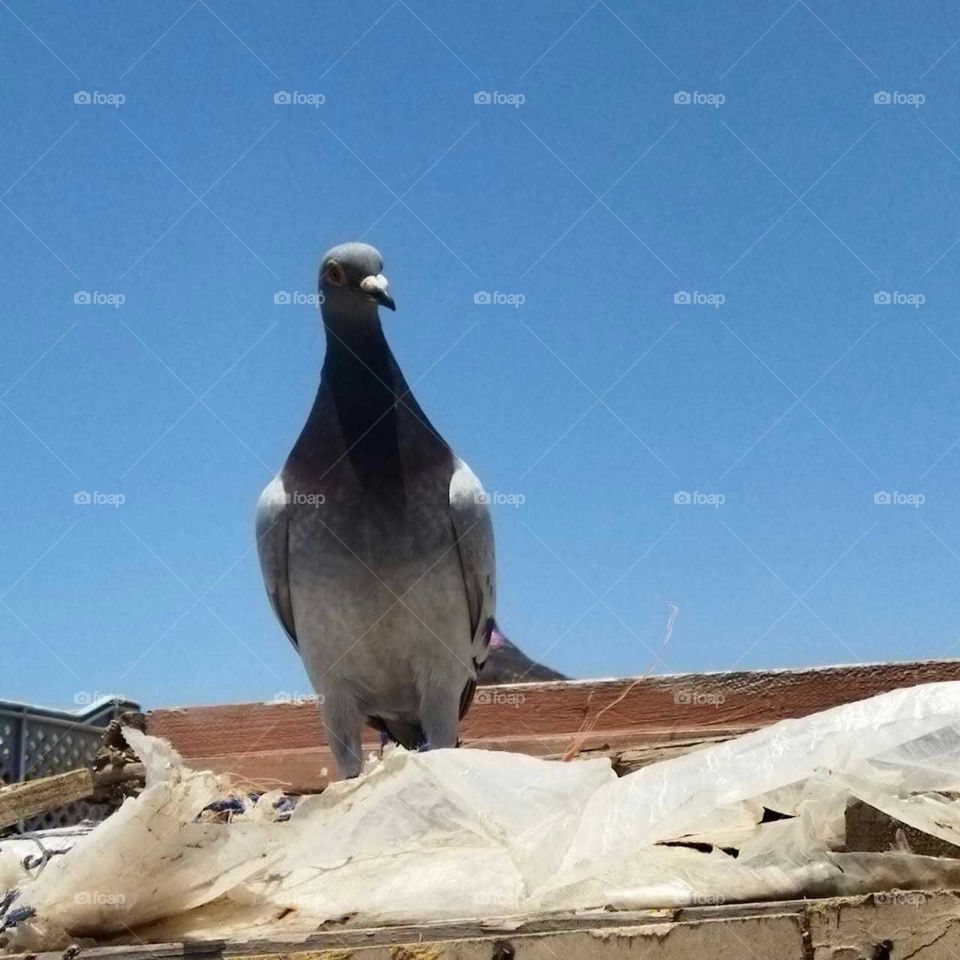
{"x": 343, "y": 724}
{"x": 439, "y": 716}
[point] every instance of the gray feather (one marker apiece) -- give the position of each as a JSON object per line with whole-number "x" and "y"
{"x": 473, "y": 529}
{"x": 273, "y": 548}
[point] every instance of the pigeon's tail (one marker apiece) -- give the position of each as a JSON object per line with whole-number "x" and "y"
{"x": 506, "y": 663}
{"x": 497, "y": 638}
{"x": 410, "y": 736}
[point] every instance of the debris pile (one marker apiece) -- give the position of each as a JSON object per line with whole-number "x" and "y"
{"x": 472, "y": 833}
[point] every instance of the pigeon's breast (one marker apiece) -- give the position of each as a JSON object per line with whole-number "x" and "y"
{"x": 377, "y": 589}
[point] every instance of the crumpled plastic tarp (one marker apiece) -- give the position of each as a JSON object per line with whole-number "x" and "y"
{"x": 473, "y": 833}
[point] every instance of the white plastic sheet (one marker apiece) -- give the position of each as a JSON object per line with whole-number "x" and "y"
{"x": 469, "y": 833}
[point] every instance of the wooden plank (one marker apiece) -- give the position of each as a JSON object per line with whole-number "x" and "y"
{"x": 771, "y": 931}
{"x": 707, "y": 701}
{"x": 20, "y": 801}
{"x": 309, "y": 769}
{"x": 897, "y": 924}
{"x": 285, "y": 742}
{"x": 769, "y": 937}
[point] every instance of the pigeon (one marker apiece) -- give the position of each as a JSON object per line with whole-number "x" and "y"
{"x": 507, "y": 663}
{"x": 375, "y": 539}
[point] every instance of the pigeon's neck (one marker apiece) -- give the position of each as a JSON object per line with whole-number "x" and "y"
{"x": 355, "y": 417}
{"x": 359, "y": 368}
{"x": 364, "y": 417}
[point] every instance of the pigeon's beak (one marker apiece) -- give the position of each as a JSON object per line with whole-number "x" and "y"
{"x": 376, "y": 287}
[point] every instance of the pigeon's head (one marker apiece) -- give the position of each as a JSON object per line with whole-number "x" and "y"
{"x": 352, "y": 283}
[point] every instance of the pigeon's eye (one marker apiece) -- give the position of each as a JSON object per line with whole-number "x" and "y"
{"x": 335, "y": 275}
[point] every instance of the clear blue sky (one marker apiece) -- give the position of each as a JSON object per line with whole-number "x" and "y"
{"x": 583, "y": 188}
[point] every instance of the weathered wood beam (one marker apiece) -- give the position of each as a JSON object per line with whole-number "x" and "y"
{"x": 925, "y": 926}
{"x": 21, "y": 801}
{"x": 650, "y": 718}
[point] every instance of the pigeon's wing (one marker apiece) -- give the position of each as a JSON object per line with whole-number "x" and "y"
{"x": 473, "y": 530}
{"x": 272, "y": 545}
